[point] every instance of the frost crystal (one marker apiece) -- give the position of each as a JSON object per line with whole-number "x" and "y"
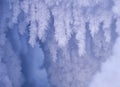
{"x": 76, "y": 36}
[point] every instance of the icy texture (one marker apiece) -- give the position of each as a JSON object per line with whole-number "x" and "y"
{"x": 76, "y": 36}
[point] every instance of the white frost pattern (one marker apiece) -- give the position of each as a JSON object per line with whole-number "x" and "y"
{"x": 65, "y": 20}
{"x": 76, "y": 37}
